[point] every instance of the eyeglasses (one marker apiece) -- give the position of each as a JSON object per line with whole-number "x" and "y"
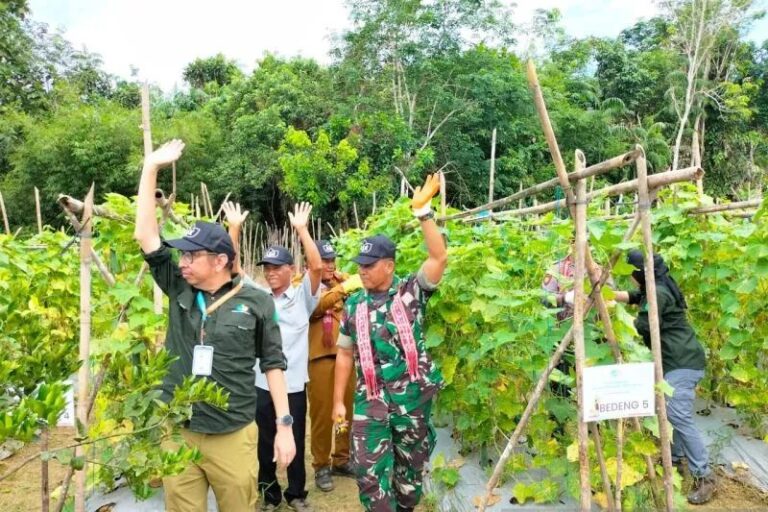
{"x": 189, "y": 256}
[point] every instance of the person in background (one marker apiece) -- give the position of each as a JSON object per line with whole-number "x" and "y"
{"x": 683, "y": 361}
{"x": 294, "y": 304}
{"x": 323, "y": 333}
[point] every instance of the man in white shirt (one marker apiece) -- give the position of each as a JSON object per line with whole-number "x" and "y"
{"x": 293, "y": 305}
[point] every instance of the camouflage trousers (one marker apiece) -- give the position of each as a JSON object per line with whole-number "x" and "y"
{"x": 389, "y": 455}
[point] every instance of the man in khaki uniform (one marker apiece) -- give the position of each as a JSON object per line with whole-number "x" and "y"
{"x": 323, "y": 332}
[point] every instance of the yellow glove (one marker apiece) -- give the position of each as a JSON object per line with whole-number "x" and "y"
{"x": 422, "y": 196}
{"x": 353, "y": 283}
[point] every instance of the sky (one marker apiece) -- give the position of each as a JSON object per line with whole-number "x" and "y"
{"x": 161, "y": 37}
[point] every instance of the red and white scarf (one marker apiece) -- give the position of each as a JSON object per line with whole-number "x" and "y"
{"x": 405, "y": 333}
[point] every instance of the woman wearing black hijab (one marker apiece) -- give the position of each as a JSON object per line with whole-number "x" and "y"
{"x": 683, "y": 360}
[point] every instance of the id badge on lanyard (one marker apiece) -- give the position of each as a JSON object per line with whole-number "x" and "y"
{"x": 202, "y": 356}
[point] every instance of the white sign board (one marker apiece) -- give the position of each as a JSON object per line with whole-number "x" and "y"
{"x": 618, "y": 391}
{"x": 67, "y": 418}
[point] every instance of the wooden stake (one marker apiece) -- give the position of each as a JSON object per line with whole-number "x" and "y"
{"x": 45, "y": 488}
{"x": 5, "y": 215}
{"x": 443, "y": 195}
{"x": 373, "y": 210}
{"x": 644, "y": 206}
{"x": 157, "y": 294}
{"x": 173, "y": 183}
{"x": 619, "y": 462}
{"x": 86, "y": 243}
{"x": 354, "y": 208}
{"x": 103, "y": 270}
{"x": 145, "y": 119}
{"x": 578, "y": 334}
{"x": 492, "y": 178}
{"x": 37, "y": 212}
{"x": 520, "y": 193}
{"x": 603, "y": 468}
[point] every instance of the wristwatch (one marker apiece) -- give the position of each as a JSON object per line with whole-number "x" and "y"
{"x": 286, "y": 420}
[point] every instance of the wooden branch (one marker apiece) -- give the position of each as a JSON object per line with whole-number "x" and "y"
{"x": 653, "y": 319}
{"x": 593, "y": 170}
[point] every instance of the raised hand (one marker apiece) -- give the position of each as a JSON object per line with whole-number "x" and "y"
{"x": 233, "y": 214}
{"x": 300, "y": 216}
{"x": 165, "y": 154}
{"x": 423, "y": 195}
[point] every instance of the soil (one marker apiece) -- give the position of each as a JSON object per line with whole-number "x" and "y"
{"x": 21, "y": 492}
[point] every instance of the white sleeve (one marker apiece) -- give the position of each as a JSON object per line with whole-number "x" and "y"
{"x": 305, "y": 290}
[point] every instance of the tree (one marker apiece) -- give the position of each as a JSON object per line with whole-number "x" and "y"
{"x": 217, "y": 69}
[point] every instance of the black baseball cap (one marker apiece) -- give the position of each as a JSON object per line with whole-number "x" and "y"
{"x": 205, "y": 236}
{"x": 326, "y": 249}
{"x": 375, "y": 248}
{"x": 276, "y": 255}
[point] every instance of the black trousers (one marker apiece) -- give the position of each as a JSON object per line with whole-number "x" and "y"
{"x": 265, "y": 420}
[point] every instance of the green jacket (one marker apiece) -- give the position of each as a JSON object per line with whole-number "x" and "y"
{"x": 241, "y": 330}
{"x": 679, "y": 347}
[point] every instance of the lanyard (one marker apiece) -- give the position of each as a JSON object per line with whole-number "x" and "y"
{"x": 206, "y": 312}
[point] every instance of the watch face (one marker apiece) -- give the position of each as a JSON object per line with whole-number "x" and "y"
{"x": 285, "y": 420}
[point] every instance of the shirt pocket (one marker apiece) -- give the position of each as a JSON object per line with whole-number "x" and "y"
{"x": 235, "y": 333}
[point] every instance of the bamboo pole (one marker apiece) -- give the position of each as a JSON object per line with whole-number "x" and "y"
{"x": 585, "y": 498}
{"x": 443, "y": 197}
{"x": 654, "y": 181}
{"x": 354, "y": 208}
{"x": 603, "y": 468}
{"x": 85, "y": 338}
{"x": 37, "y": 212}
{"x": 593, "y": 170}
{"x": 644, "y": 206}
{"x": 44, "y": 487}
{"x": 76, "y": 206}
{"x": 619, "y": 203}
{"x": 373, "y": 209}
{"x": 221, "y": 206}
{"x": 166, "y": 205}
{"x": 492, "y": 178}
{"x": 5, "y": 215}
{"x": 619, "y": 462}
{"x": 544, "y": 377}
{"x": 173, "y": 174}
{"x": 146, "y": 127}
{"x": 520, "y": 201}
{"x": 103, "y": 270}
{"x": 752, "y": 203}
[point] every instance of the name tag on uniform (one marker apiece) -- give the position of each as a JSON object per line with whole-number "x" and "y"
{"x": 202, "y": 360}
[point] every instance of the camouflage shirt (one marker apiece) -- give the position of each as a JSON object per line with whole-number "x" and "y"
{"x": 394, "y": 383}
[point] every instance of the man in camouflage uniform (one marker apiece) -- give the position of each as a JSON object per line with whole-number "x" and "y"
{"x": 382, "y": 332}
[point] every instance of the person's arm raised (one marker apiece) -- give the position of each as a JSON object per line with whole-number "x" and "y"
{"x": 437, "y": 258}
{"x": 147, "y": 231}
{"x": 235, "y": 220}
{"x": 299, "y": 220}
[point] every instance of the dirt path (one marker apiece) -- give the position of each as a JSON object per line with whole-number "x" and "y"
{"x": 21, "y": 493}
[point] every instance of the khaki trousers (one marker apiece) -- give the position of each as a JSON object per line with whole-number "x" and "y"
{"x": 228, "y": 465}
{"x": 320, "y": 391}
